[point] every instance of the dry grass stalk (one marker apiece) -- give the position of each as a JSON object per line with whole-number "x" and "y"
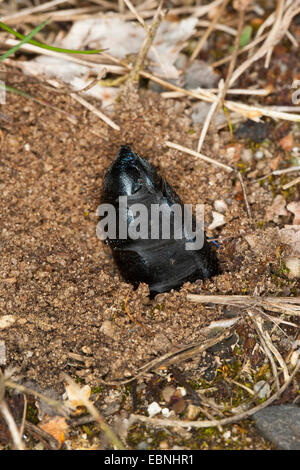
{"x": 13, "y": 429}
{"x": 29, "y": 11}
{"x": 279, "y": 29}
{"x": 96, "y": 111}
{"x": 151, "y": 32}
{"x": 278, "y": 172}
{"x": 106, "y": 4}
{"x": 24, "y": 416}
{"x": 72, "y": 14}
{"x": 292, "y": 39}
{"x": 249, "y": 390}
{"x": 231, "y": 91}
{"x": 249, "y": 46}
{"x": 88, "y": 62}
{"x": 8, "y": 418}
{"x": 211, "y": 113}
{"x": 198, "y": 155}
{"x": 197, "y": 11}
{"x": 277, "y": 355}
{"x": 218, "y": 26}
{"x": 258, "y": 326}
{"x": 232, "y": 61}
{"x": 276, "y": 26}
{"x": 211, "y": 27}
{"x": 247, "y": 111}
{"x": 134, "y": 12}
{"x": 276, "y": 304}
{"x": 256, "y": 112}
{"x": 291, "y": 183}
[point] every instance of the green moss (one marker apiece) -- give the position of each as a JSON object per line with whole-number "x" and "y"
{"x": 79, "y": 380}
{"x": 32, "y": 414}
{"x": 209, "y": 431}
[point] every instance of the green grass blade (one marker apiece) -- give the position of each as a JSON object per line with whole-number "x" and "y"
{"x": 45, "y": 46}
{"x": 245, "y": 36}
{"x": 24, "y": 40}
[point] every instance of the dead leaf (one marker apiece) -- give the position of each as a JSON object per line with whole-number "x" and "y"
{"x": 290, "y": 235}
{"x": 122, "y": 39}
{"x": 277, "y": 209}
{"x": 294, "y": 207}
{"x": 57, "y": 427}
{"x": 287, "y": 142}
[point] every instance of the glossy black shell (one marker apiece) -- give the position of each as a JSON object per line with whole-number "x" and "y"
{"x": 162, "y": 264}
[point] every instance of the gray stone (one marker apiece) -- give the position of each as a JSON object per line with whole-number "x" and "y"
{"x": 199, "y": 113}
{"x": 142, "y": 446}
{"x": 280, "y": 425}
{"x": 200, "y": 74}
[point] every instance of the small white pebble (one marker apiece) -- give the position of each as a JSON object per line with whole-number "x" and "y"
{"x": 218, "y": 220}
{"x": 220, "y": 206}
{"x": 166, "y": 412}
{"x": 27, "y": 147}
{"x": 153, "y": 409}
{"x": 247, "y": 156}
{"x": 259, "y": 155}
{"x": 182, "y": 391}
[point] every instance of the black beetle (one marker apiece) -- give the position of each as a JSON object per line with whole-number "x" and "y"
{"x": 163, "y": 264}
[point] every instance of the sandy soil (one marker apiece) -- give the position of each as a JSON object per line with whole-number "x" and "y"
{"x": 59, "y": 281}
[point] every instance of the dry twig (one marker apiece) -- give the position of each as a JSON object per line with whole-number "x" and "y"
{"x": 198, "y": 155}
{"x": 278, "y": 30}
{"x": 291, "y": 183}
{"x": 8, "y": 418}
{"x": 151, "y": 32}
{"x": 258, "y": 326}
{"x": 288, "y": 305}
